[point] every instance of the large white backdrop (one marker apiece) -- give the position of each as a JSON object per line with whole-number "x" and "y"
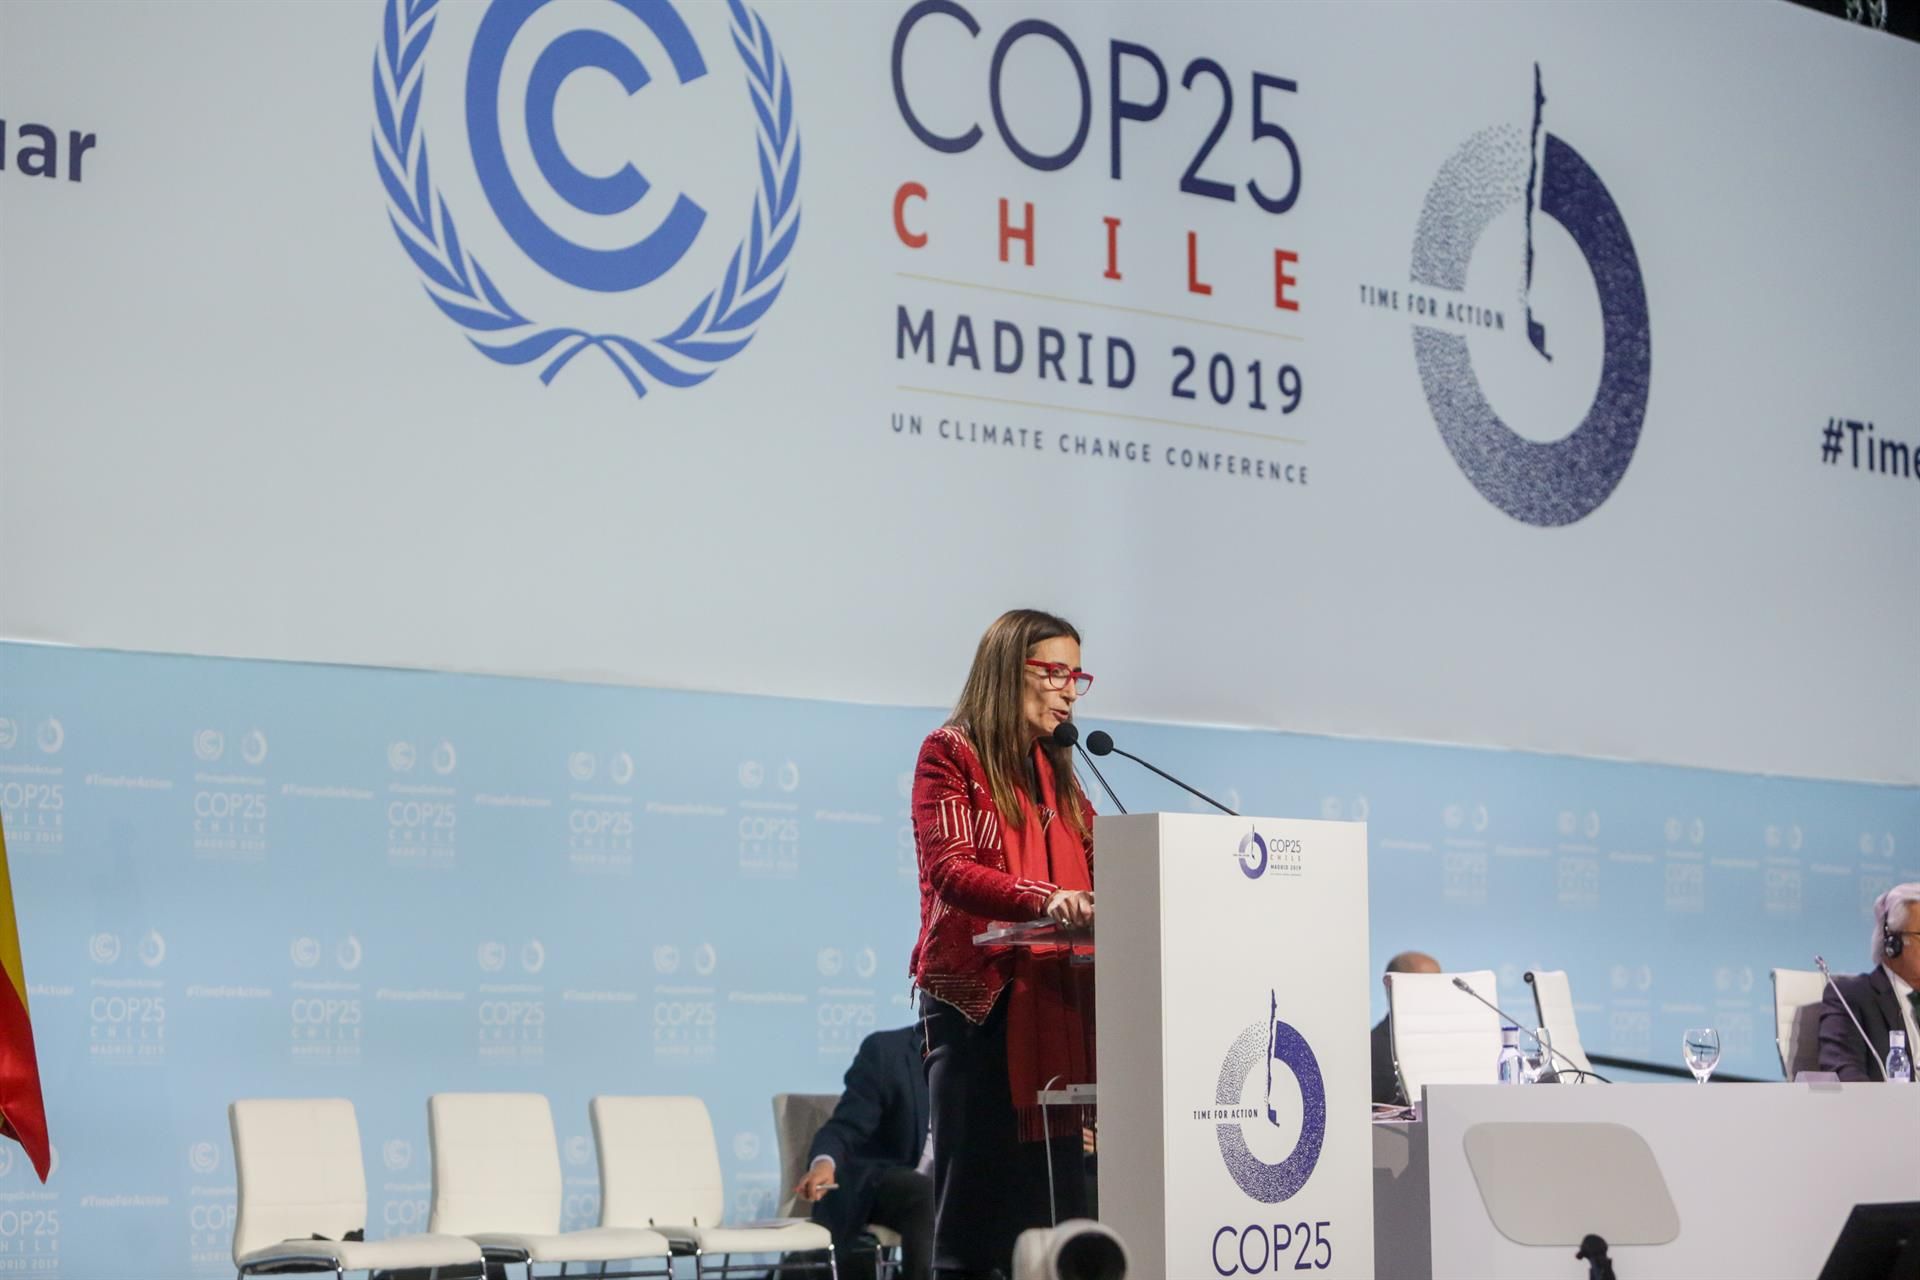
{"x": 235, "y": 421}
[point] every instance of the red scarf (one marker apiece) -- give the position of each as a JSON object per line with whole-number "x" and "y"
{"x": 1050, "y": 1005}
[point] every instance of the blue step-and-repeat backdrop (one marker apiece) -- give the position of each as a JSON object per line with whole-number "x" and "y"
{"x": 250, "y": 878}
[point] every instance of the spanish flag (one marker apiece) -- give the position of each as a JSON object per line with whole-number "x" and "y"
{"x": 23, "y": 1116}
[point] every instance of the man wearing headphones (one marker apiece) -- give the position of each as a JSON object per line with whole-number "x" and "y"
{"x": 1883, "y": 999}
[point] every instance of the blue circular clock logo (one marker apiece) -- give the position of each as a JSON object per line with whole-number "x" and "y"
{"x": 1554, "y": 483}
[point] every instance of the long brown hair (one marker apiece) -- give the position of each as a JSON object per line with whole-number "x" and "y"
{"x": 989, "y": 714}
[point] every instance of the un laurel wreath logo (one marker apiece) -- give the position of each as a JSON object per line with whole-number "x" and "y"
{"x": 719, "y": 326}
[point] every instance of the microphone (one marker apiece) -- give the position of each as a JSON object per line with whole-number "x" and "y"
{"x": 1067, "y": 734}
{"x": 1821, "y": 964}
{"x": 1512, "y": 1021}
{"x": 1100, "y": 742}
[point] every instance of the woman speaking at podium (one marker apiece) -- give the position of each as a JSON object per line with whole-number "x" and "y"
{"x": 1004, "y": 832}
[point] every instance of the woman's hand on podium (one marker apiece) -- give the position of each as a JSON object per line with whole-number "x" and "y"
{"x": 1071, "y": 907}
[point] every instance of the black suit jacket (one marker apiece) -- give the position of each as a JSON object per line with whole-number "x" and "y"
{"x": 1386, "y": 1081}
{"x": 881, "y": 1123}
{"x": 1874, "y": 1002}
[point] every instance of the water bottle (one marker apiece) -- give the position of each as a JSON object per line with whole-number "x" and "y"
{"x": 1513, "y": 1068}
{"x": 1899, "y": 1065}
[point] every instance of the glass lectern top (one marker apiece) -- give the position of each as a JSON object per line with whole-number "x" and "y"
{"x": 1035, "y": 933}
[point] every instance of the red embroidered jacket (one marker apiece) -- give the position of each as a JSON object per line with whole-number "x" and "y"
{"x": 964, "y": 881}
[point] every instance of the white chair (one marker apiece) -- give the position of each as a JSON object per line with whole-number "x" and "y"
{"x": 1796, "y": 1019}
{"x": 496, "y": 1181}
{"x": 300, "y": 1175}
{"x": 1442, "y": 1035}
{"x": 660, "y": 1168}
{"x": 1553, "y": 1005}
{"x": 797, "y": 1117}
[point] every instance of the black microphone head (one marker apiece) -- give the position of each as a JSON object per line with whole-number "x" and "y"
{"x": 1462, "y": 984}
{"x": 1100, "y": 742}
{"x": 1066, "y": 733}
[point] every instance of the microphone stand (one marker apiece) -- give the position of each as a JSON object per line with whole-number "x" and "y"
{"x": 1103, "y": 782}
{"x": 1593, "y": 1252}
{"x": 1175, "y": 781}
{"x": 1867, "y": 1044}
{"x": 1512, "y": 1021}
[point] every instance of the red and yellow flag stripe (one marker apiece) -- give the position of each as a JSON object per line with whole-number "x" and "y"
{"x": 23, "y": 1114}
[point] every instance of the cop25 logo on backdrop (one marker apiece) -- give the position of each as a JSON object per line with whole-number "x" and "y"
{"x": 1544, "y": 482}
{"x": 560, "y": 217}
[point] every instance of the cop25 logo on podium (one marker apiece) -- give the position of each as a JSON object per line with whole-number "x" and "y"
{"x": 674, "y": 351}
{"x": 1259, "y": 1046}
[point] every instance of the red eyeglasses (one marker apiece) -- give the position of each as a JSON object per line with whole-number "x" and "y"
{"x": 1057, "y": 674}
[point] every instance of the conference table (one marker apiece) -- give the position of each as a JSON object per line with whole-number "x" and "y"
{"x": 1682, "y": 1181}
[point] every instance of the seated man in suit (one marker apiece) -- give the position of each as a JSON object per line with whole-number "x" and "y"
{"x": 1883, "y": 998}
{"x": 871, "y": 1162}
{"x": 1386, "y": 1080}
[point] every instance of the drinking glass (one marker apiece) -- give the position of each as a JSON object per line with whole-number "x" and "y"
{"x": 1700, "y": 1046}
{"x": 1536, "y": 1053}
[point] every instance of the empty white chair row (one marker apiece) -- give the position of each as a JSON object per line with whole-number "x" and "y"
{"x": 496, "y": 1182}
{"x": 497, "y": 1191}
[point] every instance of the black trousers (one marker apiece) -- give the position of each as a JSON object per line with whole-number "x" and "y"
{"x": 903, "y": 1200}
{"x": 988, "y": 1186}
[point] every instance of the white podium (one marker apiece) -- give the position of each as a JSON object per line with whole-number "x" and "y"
{"x": 1232, "y": 1048}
